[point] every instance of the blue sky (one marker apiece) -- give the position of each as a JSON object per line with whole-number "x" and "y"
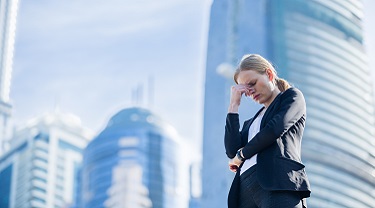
{"x": 87, "y": 56}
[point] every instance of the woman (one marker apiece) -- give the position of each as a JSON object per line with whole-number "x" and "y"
{"x": 266, "y": 153}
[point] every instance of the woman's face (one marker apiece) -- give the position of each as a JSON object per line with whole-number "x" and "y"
{"x": 262, "y": 90}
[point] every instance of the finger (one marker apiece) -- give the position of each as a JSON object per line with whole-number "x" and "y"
{"x": 233, "y": 168}
{"x": 241, "y": 90}
{"x": 239, "y": 87}
{"x": 251, "y": 90}
{"x": 247, "y": 93}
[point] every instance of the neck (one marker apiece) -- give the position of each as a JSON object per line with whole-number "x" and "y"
{"x": 274, "y": 94}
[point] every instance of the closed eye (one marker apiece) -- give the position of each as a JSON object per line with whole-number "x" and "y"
{"x": 251, "y": 84}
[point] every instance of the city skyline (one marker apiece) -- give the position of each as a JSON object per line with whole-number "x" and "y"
{"x": 96, "y": 62}
{"x": 50, "y": 50}
{"x": 90, "y": 62}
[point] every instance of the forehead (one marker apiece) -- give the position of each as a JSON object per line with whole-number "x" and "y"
{"x": 246, "y": 76}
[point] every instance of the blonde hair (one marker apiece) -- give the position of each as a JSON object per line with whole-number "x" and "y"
{"x": 259, "y": 64}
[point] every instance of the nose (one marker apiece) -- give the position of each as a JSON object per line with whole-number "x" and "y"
{"x": 250, "y": 91}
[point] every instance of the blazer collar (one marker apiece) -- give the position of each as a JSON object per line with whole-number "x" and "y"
{"x": 250, "y": 121}
{"x": 270, "y": 109}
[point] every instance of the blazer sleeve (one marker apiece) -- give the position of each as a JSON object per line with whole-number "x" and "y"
{"x": 292, "y": 108}
{"x": 233, "y": 135}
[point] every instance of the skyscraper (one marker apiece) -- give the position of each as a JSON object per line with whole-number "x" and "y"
{"x": 136, "y": 161}
{"x": 41, "y": 166}
{"x": 318, "y": 47}
{"x": 195, "y": 185}
{"x": 230, "y": 25}
{"x": 8, "y": 17}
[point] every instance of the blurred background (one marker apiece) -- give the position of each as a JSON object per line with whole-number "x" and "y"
{"x": 123, "y": 103}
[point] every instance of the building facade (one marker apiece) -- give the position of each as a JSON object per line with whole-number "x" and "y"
{"x": 41, "y": 167}
{"x": 318, "y": 47}
{"x": 8, "y": 17}
{"x": 136, "y": 161}
{"x": 195, "y": 185}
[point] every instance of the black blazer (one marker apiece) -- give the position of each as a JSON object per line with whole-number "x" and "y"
{"x": 277, "y": 145}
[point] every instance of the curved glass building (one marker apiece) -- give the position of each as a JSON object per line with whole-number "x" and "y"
{"x": 136, "y": 161}
{"x": 317, "y": 46}
{"x": 320, "y": 46}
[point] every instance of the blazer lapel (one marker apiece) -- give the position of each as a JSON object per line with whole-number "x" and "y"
{"x": 270, "y": 110}
{"x": 245, "y": 129}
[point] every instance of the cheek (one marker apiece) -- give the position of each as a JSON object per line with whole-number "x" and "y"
{"x": 263, "y": 86}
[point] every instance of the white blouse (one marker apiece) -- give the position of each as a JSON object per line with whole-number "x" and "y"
{"x": 253, "y": 130}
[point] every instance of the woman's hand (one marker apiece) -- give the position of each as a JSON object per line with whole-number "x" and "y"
{"x": 235, "y": 99}
{"x": 234, "y": 163}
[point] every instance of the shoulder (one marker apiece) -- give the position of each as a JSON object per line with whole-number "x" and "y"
{"x": 291, "y": 97}
{"x": 292, "y": 92}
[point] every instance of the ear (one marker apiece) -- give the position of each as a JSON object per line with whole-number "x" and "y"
{"x": 270, "y": 74}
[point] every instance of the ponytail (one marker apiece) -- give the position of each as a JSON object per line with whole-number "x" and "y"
{"x": 282, "y": 84}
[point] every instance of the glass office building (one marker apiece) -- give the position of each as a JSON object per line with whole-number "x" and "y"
{"x": 318, "y": 47}
{"x": 41, "y": 167}
{"x": 8, "y": 18}
{"x": 136, "y": 161}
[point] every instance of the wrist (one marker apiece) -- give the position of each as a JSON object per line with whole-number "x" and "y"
{"x": 233, "y": 108}
{"x": 240, "y": 156}
{"x": 241, "y": 153}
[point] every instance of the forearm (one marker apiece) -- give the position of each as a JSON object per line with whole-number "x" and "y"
{"x": 232, "y": 138}
{"x": 292, "y": 110}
